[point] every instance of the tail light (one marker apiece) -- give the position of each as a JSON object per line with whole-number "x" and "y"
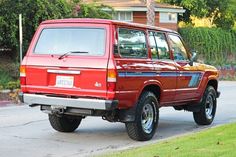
{"x": 22, "y": 75}
{"x": 111, "y": 80}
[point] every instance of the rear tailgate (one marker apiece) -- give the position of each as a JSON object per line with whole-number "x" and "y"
{"x": 78, "y": 81}
{"x": 82, "y": 75}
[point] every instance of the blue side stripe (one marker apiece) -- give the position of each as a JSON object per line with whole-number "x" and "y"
{"x": 169, "y": 74}
{"x": 121, "y": 74}
{"x": 158, "y": 73}
{"x": 196, "y": 77}
{"x": 137, "y": 74}
{"x": 147, "y": 74}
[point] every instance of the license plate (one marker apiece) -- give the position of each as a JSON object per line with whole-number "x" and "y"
{"x": 65, "y": 81}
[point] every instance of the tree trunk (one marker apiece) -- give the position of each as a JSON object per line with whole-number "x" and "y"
{"x": 150, "y": 12}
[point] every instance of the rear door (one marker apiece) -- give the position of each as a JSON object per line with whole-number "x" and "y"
{"x": 81, "y": 71}
{"x": 133, "y": 64}
{"x": 164, "y": 66}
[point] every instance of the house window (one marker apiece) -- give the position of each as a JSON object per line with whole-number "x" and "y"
{"x": 123, "y": 16}
{"x": 168, "y": 17}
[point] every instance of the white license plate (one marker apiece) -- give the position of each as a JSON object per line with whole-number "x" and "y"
{"x": 65, "y": 81}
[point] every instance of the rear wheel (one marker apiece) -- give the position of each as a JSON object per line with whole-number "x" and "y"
{"x": 64, "y": 123}
{"x": 208, "y": 108}
{"x": 146, "y": 118}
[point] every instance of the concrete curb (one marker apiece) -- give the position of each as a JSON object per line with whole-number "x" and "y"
{"x": 8, "y": 90}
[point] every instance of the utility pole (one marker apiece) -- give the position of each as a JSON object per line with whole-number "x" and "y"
{"x": 150, "y": 12}
{"x": 20, "y": 36}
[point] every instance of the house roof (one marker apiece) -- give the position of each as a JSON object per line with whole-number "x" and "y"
{"x": 136, "y": 5}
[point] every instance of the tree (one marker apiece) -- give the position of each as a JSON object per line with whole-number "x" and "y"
{"x": 34, "y": 12}
{"x": 150, "y": 12}
{"x": 219, "y": 11}
{"x": 93, "y": 10}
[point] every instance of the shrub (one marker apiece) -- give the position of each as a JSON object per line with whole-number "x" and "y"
{"x": 9, "y": 71}
{"x": 11, "y": 68}
{"x": 13, "y": 85}
{"x": 4, "y": 78}
{"x": 215, "y": 45}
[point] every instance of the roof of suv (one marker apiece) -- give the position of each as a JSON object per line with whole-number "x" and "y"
{"x": 104, "y": 21}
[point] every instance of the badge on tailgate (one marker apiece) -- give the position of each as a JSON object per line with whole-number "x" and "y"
{"x": 65, "y": 81}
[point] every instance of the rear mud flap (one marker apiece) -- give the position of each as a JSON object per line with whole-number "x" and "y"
{"x": 127, "y": 115}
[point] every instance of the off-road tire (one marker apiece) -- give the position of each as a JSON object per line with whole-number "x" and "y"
{"x": 135, "y": 129}
{"x": 201, "y": 117}
{"x": 64, "y": 123}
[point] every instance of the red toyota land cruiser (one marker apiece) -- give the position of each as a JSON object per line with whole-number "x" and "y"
{"x": 123, "y": 72}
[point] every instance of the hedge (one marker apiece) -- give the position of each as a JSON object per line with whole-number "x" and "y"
{"x": 214, "y": 45}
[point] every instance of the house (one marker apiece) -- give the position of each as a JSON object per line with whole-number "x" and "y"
{"x": 135, "y": 11}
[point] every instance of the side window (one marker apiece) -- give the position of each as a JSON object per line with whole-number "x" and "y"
{"x": 162, "y": 46}
{"x": 179, "y": 51}
{"x": 132, "y": 43}
{"x": 159, "y": 45}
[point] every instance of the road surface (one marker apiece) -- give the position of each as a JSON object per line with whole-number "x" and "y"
{"x": 26, "y": 132}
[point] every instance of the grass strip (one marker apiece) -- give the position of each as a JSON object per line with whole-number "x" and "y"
{"x": 213, "y": 142}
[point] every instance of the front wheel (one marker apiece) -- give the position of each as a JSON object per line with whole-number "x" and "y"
{"x": 208, "y": 108}
{"x": 64, "y": 123}
{"x": 146, "y": 118}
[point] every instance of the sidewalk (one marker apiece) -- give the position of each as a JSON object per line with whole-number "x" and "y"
{"x": 7, "y": 98}
{"x": 5, "y": 103}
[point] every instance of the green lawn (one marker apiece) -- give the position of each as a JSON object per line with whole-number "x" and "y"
{"x": 214, "y": 142}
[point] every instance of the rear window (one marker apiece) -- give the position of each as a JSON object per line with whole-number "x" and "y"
{"x": 62, "y": 40}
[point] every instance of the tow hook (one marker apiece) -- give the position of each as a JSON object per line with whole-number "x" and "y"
{"x": 58, "y": 109}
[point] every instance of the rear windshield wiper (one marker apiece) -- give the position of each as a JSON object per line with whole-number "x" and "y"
{"x": 67, "y": 53}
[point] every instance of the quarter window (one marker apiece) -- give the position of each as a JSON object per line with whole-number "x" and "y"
{"x": 179, "y": 51}
{"x": 132, "y": 43}
{"x": 159, "y": 45}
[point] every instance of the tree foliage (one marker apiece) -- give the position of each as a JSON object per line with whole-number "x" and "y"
{"x": 33, "y": 13}
{"x": 217, "y": 46}
{"x": 94, "y": 11}
{"x": 221, "y": 12}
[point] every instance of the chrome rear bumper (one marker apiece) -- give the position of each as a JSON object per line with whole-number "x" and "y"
{"x": 83, "y": 103}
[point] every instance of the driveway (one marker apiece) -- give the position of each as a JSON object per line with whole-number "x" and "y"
{"x": 26, "y": 132}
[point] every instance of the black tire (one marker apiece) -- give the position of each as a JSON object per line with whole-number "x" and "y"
{"x": 207, "y": 111}
{"x": 136, "y": 129}
{"x": 64, "y": 123}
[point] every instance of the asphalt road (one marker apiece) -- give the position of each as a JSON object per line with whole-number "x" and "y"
{"x": 26, "y": 132}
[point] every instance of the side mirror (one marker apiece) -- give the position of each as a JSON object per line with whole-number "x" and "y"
{"x": 193, "y": 58}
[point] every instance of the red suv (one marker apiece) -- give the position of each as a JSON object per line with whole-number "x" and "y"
{"x": 123, "y": 72}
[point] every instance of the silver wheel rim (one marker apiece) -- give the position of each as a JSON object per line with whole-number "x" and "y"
{"x": 209, "y": 106}
{"x": 147, "y": 118}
